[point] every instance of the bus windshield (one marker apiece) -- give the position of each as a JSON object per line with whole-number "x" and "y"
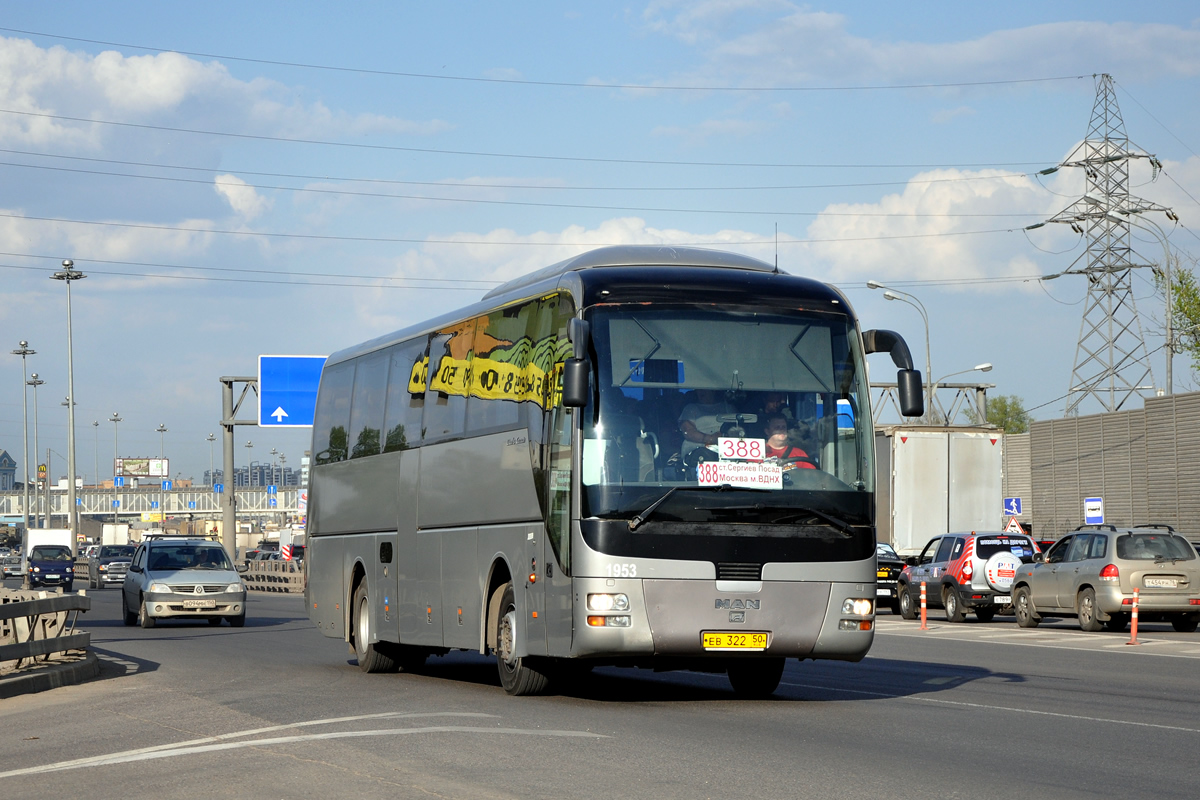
{"x": 764, "y": 415}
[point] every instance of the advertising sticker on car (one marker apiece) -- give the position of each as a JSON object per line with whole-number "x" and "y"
{"x": 1000, "y": 570}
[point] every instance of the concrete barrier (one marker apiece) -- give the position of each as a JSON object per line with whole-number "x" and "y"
{"x": 37, "y": 625}
{"x": 275, "y": 576}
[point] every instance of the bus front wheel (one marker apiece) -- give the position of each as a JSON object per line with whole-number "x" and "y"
{"x": 519, "y": 675}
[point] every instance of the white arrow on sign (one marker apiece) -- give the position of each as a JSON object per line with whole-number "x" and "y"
{"x": 279, "y": 414}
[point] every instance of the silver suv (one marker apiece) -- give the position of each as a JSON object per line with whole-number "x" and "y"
{"x": 1091, "y": 573}
{"x": 965, "y": 571}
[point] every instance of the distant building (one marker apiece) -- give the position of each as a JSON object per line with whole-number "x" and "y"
{"x": 8, "y": 472}
{"x": 257, "y": 474}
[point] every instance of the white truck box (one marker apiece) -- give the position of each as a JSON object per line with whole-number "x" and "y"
{"x": 933, "y": 479}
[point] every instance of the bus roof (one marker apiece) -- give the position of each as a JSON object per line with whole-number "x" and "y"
{"x": 635, "y": 256}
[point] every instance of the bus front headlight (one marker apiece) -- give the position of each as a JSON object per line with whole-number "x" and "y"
{"x": 608, "y": 602}
{"x": 860, "y": 606}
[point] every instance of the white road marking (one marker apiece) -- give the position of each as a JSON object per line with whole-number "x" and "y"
{"x": 85, "y": 762}
{"x": 915, "y": 698}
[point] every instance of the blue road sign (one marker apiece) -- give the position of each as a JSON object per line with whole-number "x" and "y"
{"x": 191, "y": 503}
{"x": 118, "y": 482}
{"x": 287, "y": 390}
{"x": 218, "y": 488}
{"x": 270, "y": 490}
{"x": 154, "y": 504}
{"x": 1012, "y": 506}
{"x": 116, "y": 504}
{"x": 166, "y": 486}
{"x": 1093, "y": 510}
{"x": 274, "y": 502}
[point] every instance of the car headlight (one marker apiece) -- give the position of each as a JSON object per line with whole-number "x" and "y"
{"x": 104, "y": 567}
{"x": 35, "y": 569}
{"x": 70, "y": 569}
{"x": 159, "y": 587}
{"x": 235, "y": 587}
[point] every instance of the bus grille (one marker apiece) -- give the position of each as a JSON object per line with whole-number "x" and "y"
{"x": 728, "y": 571}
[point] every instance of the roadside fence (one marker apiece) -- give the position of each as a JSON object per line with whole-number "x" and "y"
{"x": 34, "y": 625}
{"x": 275, "y": 576}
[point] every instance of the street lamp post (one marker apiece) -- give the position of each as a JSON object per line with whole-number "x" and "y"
{"x": 274, "y": 453}
{"x": 24, "y": 351}
{"x": 67, "y": 274}
{"x": 35, "y": 382}
{"x": 985, "y": 367}
{"x": 115, "y": 420}
{"x": 896, "y": 294}
{"x": 212, "y": 479}
{"x": 249, "y": 479}
{"x": 163, "y": 477}
{"x": 96, "y": 452}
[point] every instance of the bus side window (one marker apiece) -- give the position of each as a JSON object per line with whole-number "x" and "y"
{"x": 552, "y": 347}
{"x": 332, "y": 417}
{"x": 450, "y": 354}
{"x": 500, "y": 378}
{"x": 402, "y": 421}
{"x": 366, "y": 410}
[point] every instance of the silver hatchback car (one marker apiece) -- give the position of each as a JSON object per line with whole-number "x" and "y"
{"x": 1091, "y": 573}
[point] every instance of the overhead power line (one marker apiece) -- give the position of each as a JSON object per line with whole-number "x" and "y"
{"x": 526, "y": 156}
{"x": 557, "y": 84}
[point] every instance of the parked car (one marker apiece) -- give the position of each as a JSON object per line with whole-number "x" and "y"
{"x": 1092, "y": 572}
{"x": 181, "y": 577}
{"x": 108, "y": 564}
{"x": 890, "y": 565}
{"x": 965, "y": 571}
{"x": 51, "y": 565}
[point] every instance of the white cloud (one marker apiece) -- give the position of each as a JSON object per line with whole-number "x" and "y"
{"x": 242, "y": 197}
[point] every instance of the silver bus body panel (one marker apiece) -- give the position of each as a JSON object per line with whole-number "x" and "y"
{"x": 356, "y": 496}
{"x": 325, "y": 589}
{"x": 482, "y": 480}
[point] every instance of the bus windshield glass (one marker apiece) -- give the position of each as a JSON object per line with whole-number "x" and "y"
{"x": 763, "y": 416}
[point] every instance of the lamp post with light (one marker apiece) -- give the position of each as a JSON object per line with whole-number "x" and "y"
{"x": 896, "y": 294}
{"x": 115, "y": 420}
{"x": 35, "y": 382}
{"x": 24, "y": 351}
{"x": 212, "y": 479}
{"x": 163, "y": 476}
{"x": 985, "y": 367}
{"x": 67, "y": 274}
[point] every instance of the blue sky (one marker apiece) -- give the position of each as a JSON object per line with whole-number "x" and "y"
{"x": 239, "y": 179}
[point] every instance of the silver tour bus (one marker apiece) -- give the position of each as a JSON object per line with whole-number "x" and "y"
{"x": 640, "y": 456}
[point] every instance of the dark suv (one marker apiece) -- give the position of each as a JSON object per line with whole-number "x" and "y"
{"x": 965, "y": 571}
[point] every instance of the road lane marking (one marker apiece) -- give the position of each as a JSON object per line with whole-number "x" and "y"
{"x": 985, "y": 707}
{"x": 84, "y": 762}
{"x": 124, "y": 758}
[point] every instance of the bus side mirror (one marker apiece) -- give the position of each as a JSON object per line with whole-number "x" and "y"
{"x": 575, "y": 383}
{"x": 908, "y": 387}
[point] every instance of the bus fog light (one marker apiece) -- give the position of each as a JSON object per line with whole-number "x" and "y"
{"x": 854, "y": 625}
{"x": 599, "y": 621}
{"x": 619, "y": 622}
{"x": 857, "y": 606}
{"x": 607, "y": 602}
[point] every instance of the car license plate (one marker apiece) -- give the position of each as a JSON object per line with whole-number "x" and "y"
{"x": 733, "y": 640}
{"x": 1161, "y": 583}
{"x": 199, "y": 603}
{"x": 881, "y": 592}
{"x": 56, "y": 577}
{"x": 1003, "y": 600}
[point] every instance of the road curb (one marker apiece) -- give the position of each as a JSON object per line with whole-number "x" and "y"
{"x": 50, "y": 677}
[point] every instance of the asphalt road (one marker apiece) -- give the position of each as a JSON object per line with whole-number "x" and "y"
{"x": 277, "y": 710}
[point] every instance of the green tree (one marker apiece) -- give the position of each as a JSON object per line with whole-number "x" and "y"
{"x": 1006, "y": 411}
{"x": 1185, "y": 298}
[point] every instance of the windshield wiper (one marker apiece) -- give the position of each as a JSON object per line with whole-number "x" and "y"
{"x": 842, "y": 527}
{"x": 637, "y": 521}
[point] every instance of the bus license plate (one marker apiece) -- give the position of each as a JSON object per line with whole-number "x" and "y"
{"x": 199, "y": 603}
{"x": 733, "y": 640}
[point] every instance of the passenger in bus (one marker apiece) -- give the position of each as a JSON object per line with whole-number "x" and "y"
{"x": 781, "y": 445}
{"x": 698, "y": 421}
{"x": 769, "y": 403}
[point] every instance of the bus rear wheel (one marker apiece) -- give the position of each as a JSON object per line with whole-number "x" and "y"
{"x": 519, "y": 675}
{"x": 755, "y": 677}
{"x": 370, "y": 657}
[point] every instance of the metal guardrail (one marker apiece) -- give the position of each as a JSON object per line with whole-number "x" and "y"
{"x": 275, "y": 576}
{"x": 35, "y": 625}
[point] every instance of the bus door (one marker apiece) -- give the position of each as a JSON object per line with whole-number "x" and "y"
{"x": 555, "y": 569}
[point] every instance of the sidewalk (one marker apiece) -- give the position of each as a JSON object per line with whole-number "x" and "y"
{"x": 65, "y": 669}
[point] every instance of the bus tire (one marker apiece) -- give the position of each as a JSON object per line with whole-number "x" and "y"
{"x": 370, "y": 657}
{"x": 755, "y": 678}
{"x": 519, "y": 675}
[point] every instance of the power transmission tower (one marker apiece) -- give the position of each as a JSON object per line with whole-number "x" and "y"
{"x": 1111, "y": 361}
